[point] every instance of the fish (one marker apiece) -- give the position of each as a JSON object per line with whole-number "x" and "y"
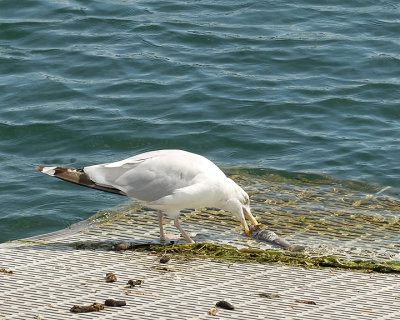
{"x": 260, "y": 233}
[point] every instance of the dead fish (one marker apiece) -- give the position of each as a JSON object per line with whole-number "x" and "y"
{"x": 259, "y": 233}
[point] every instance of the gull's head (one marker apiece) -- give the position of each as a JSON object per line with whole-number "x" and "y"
{"x": 238, "y": 203}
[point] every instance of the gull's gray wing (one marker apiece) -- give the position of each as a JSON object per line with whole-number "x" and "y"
{"x": 153, "y": 175}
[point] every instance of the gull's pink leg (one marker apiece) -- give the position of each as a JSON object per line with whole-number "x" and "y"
{"x": 163, "y": 236}
{"x": 178, "y": 225}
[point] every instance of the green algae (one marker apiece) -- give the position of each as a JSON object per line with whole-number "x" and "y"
{"x": 231, "y": 254}
{"x": 226, "y": 253}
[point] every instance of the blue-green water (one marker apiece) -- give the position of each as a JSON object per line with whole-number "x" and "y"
{"x": 288, "y": 86}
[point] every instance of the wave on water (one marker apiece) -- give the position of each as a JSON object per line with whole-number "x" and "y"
{"x": 298, "y": 93}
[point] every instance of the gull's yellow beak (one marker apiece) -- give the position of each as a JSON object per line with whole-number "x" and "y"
{"x": 249, "y": 216}
{"x": 247, "y": 230}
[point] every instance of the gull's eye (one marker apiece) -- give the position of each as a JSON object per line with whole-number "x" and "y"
{"x": 246, "y": 201}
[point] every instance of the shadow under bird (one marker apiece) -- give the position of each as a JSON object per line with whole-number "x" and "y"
{"x": 166, "y": 180}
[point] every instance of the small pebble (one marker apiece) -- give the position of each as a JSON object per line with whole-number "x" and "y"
{"x": 115, "y": 303}
{"x": 132, "y": 283}
{"x": 91, "y": 308}
{"x": 295, "y": 248}
{"x": 212, "y": 311}
{"x": 225, "y": 305}
{"x": 121, "y": 246}
{"x": 111, "y": 277}
{"x": 2, "y": 270}
{"x": 269, "y": 295}
{"x": 165, "y": 259}
{"x": 305, "y": 301}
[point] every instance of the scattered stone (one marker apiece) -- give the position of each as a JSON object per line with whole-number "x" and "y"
{"x": 295, "y": 248}
{"x": 115, "y": 303}
{"x": 225, "y": 305}
{"x": 111, "y": 277}
{"x": 269, "y": 295}
{"x": 2, "y": 270}
{"x": 120, "y": 246}
{"x": 132, "y": 283}
{"x": 165, "y": 259}
{"x": 212, "y": 311}
{"x": 305, "y": 301}
{"x": 93, "y": 307}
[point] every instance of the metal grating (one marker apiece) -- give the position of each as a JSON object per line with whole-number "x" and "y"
{"x": 49, "y": 276}
{"x": 48, "y": 280}
{"x": 327, "y": 219}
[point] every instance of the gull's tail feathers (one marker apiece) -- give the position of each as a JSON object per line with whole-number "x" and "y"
{"x": 77, "y": 176}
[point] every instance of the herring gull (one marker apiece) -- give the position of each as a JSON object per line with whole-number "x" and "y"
{"x": 166, "y": 180}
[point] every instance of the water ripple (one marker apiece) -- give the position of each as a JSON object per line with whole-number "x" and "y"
{"x": 300, "y": 86}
